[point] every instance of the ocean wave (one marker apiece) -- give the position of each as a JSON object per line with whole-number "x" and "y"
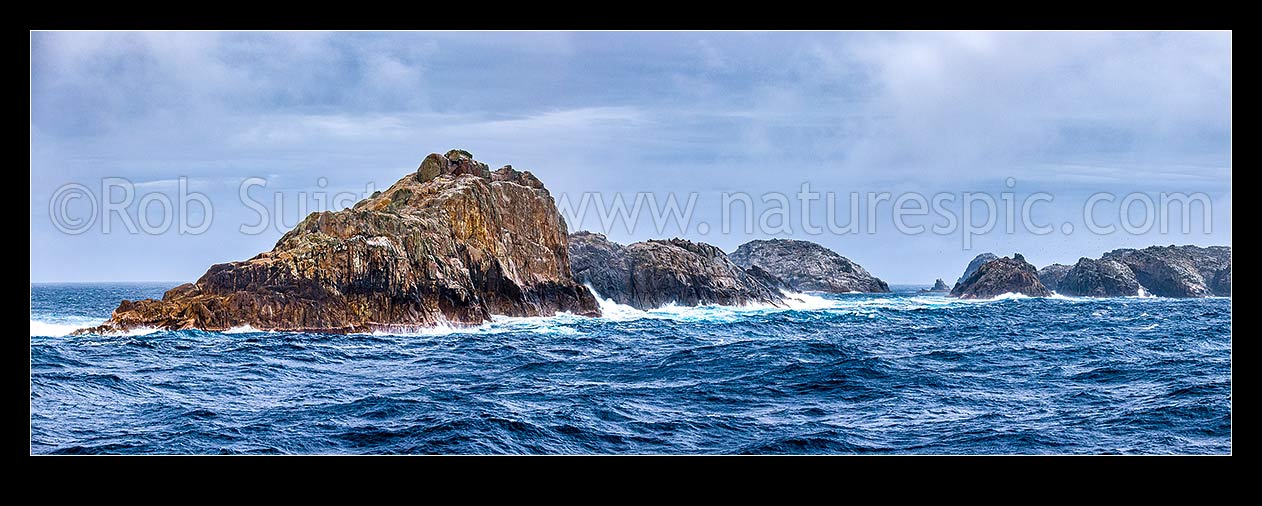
{"x": 899, "y": 372}
{"x": 566, "y": 323}
{"x": 49, "y": 329}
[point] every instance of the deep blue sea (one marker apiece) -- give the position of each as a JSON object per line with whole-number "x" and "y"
{"x": 839, "y": 374}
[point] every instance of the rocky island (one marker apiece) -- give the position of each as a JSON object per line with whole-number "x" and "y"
{"x": 654, "y": 273}
{"x": 452, "y": 243}
{"x": 1164, "y": 271}
{"x": 999, "y": 276}
{"x": 938, "y": 286}
{"x": 807, "y": 267}
{"x": 1098, "y": 278}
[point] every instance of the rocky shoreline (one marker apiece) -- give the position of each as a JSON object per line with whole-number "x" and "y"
{"x": 1162, "y": 271}
{"x": 454, "y": 243}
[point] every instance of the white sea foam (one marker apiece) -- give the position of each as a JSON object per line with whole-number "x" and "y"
{"x": 807, "y": 302}
{"x": 244, "y": 329}
{"x": 561, "y": 323}
{"x": 64, "y": 326}
{"x": 48, "y": 329}
{"x": 1010, "y": 296}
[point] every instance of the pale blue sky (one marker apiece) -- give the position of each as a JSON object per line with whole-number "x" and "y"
{"x": 1063, "y": 112}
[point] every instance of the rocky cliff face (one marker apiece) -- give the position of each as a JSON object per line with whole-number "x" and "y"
{"x": 655, "y": 273}
{"x": 1179, "y": 271}
{"x": 975, "y": 264}
{"x": 1099, "y": 278}
{"x": 806, "y": 266}
{"x": 1051, "y": 275}
{"x": 1000, "y": 276}
{"x": 452, "y": 243}
{"x": 1221, "y": 284}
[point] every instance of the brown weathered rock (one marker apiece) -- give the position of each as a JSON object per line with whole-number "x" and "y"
{"x": 463, "y": 163}
{"x": 453, "y": 249}
{"x": 507, "y": 173}
{"x": 433, "y": 166}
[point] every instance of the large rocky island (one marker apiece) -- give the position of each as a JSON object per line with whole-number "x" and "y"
{"x": 452, "y": 243}
{"x": 807, "y": 267}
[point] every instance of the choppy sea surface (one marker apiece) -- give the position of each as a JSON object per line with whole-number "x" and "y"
{"x": 903, "y": 372}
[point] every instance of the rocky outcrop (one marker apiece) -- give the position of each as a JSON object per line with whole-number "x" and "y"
{"x": 1179, "y": 271}
{"x": 807, "y": 266}
{"x": 655, "y": 273}
{"x": 975, "y": 264}
{"x": 938, "y": 286}
{"x": 999, "y": 276}
{"x": 449, "y": 244}
{"x": 1099, "y": 278}
{"x": 1051, "y": 275}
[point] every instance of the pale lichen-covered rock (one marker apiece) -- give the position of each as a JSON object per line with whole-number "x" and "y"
{"x": 454, "y": 248}
{"x": 1179, "y": 271}
{"x": 807, "y": 266}
{"x": 1051, "y": 275}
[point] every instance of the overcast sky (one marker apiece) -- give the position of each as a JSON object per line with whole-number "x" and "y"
{"x": 1066, "y": 113}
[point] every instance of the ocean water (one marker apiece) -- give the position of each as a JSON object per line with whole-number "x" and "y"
{"x": 895, "y": 373}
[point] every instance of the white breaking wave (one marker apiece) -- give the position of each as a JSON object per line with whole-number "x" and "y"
{"x": 64, "y": 326}
{"x": 561, "y": 323}
{"x": 568, "y": 324}
{"x": 46, "y": 329}
{"x": 1010, "y": 296}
